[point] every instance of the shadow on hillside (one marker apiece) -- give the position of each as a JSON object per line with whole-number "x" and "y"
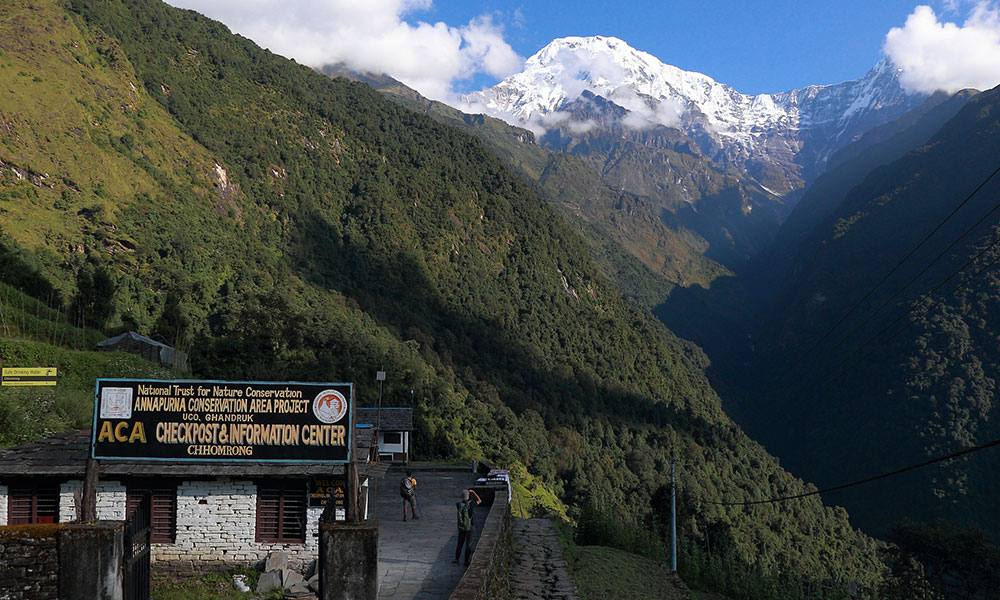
{"x": 398, "y": 294}
{"x": 717, "y": 319}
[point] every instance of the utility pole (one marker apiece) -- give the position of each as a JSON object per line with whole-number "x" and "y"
{"x": 351, "y": 509}
{"x": 673, "y": 520}
{"x": 379, "y": 377}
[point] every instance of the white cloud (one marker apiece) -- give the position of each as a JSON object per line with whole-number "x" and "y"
{"x": 936, "y": 55}
{"x": 371, "y": 35}
{"x": 645, "y": 113}
{"x": 581, "y": 127}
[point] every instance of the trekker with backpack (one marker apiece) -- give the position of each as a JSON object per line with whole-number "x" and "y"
{"x": 408, "y": 491}
{"x": 466, "y": 524}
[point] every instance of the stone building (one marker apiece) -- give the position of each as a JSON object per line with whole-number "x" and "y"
{"x": 214, "y": 514}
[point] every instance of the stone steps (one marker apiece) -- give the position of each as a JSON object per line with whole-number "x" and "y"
{"x": 539, "y": 570}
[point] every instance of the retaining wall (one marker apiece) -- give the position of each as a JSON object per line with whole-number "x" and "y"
{"x": 29, "y": 562}
{"x": 486, "y": 576}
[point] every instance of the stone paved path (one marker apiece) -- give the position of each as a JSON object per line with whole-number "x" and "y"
{"x": 539, "y": 570}
{"x": 415, "y": 556}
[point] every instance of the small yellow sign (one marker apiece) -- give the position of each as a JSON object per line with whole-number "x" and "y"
{"x": 29, "y": 372}
{"x": 28, "y": 376}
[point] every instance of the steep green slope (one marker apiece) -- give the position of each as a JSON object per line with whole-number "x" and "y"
{"x": 627, "y": 234}
{"x": 310, "y": 229}
{"x": 723, "y": 318}
{"x": 848, "y": 169}
{"x": 914, "y": 393}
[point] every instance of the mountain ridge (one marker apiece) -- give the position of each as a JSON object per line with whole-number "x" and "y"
{"x": 729, "y": 126}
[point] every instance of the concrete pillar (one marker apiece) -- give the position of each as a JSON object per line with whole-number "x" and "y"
{"x": 91, "y": 561}
{"x": 348, "y": 561}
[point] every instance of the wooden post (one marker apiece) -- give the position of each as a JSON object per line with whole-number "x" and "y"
{"x": 351, "y": 506}
{"x": 89, "y": 500}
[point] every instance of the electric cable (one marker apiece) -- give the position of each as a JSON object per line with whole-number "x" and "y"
{"x": 925, "y": 463}
{"x": 891, "y": 271}
{"x": 970, "y": 450}
{"x": 913, "y": 279}
{"x": 785, "y": 393}
{"x": 832, "y": 375}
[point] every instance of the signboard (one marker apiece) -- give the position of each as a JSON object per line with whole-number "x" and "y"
{"x": 222, "y": 421}
{"x": 322, "y": 489}
{"x": 28, "y": 376}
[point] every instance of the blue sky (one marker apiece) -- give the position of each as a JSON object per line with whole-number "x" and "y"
{"x": 755, "y": 47}
{"x": 443, "y": 48}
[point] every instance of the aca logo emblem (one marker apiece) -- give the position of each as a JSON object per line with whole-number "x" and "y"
{"x": 330, "y": 406}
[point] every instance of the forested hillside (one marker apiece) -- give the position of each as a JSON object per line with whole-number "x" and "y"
{"x": 282, "y": 225}
{"x": 643, "y": 256}
{"x": 917, "y": 378}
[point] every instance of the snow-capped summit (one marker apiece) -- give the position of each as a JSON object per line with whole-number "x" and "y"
{"x": 795, "y": 131}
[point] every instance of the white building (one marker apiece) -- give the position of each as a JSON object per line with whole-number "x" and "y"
{"x": 215, "y": 514}
{"x": 394, "y": 426}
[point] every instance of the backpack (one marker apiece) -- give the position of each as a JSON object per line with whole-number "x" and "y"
{"x": 464, "y": 516}
{"x": 406, "y": 487}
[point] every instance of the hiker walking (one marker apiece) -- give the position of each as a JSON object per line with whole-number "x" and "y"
{"x": 408, "y": 491}
{"x": 466, "y": 524}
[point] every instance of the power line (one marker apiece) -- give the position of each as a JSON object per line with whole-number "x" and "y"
{"x": 818, "y": 386}
{"x": 829, "y": 380}
{"x": 891, "y": 271}
{"x": 831, "y": 377}
{"x": 913, "y": 279}
{"x": 915, "y": 305}
{"x": 925, "y": 463}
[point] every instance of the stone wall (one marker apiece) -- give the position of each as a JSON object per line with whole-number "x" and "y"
{"x": 216, "y": 524}
{"x": 29, "y": 562}
{"x": 110, "y": 500}
{"x": 486, "y": 576}
{"x": 216, "y": 527}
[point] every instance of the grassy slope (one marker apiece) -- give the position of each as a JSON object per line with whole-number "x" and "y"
{"x": 388, "y": 238}
{"x": 607, "y": 574}
{"x": 70, "y": 100}
{"x": 33, "y": 335}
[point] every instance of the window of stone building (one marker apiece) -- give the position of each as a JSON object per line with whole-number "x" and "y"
{"x": 163, "y": 495}
{"x": 281, "y": 511}
{"x": 34, "y": 501}
{"x": 392, "y": 438}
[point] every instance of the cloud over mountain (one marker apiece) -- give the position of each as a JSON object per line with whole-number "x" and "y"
{"x": 936, "y": 55}
{"x": 371, "y": 36}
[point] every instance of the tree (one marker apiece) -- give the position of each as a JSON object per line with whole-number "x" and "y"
{"x": 956, "y": 563}
{"x": 173, "y": 325}
{"x": 93, "y": 303}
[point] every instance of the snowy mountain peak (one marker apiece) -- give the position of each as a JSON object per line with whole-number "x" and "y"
{"x": 805, "y": 126}
{"x": 605, "y": 66}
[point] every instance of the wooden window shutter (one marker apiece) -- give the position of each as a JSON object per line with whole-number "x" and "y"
{"x": 281, "y": 511}
{"x": 33, "y": 502}
{"x": 163, "y": 510}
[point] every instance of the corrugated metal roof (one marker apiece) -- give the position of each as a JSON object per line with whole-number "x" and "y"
{"x": 391, "y": 419}
{"x": 127, "y": 339}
